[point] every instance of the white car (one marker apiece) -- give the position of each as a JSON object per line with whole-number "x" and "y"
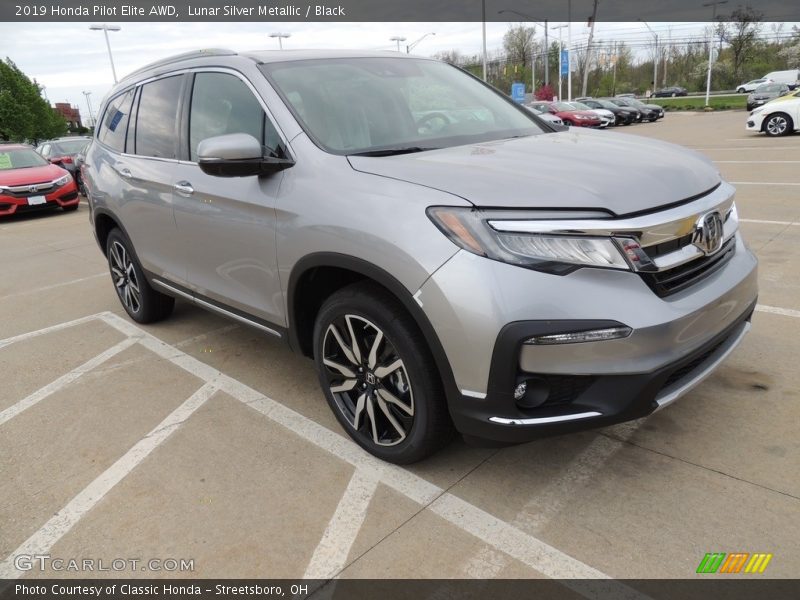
{"x": 752, "y": 85}
{"x": 607, "y": 118}
{"x": 778, "y": 117}
{"x": 544, "y": 115}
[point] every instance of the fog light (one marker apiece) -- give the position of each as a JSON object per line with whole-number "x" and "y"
{"x": 520, "y": 390}
{"x": 593, "y": 335}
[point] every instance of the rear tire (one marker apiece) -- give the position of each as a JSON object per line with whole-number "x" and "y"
{"x": 778, "y": 124}
{"x": 142, "y": 303}
{"x": 379, "y": 376}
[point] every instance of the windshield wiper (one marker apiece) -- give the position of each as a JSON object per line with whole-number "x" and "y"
{"x": 394, "y": 151}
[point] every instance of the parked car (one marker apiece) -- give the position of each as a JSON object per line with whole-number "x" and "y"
{"x": 670, "y": 92}
{"x": 495, "y": 276}
{"x": 622, "y": 115}
{"x": 607, "y": 118}
{"x": 550, "y": 118}
{"x": 657, "y": 108}
{"x": 766, "y": 92}
{"x": 645, "y": 114}
{"x": 752, "y": 85}
{"x": 568, "y": 114}
{"x": 790, "y": 77}
{"x": 63, "y": 152}
{"x": 29, "y": 182}
{"x": 776, "y": 118}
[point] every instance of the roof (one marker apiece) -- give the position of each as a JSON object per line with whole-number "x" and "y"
{"x": 15, "y": 146}
{"x": 271, "y": 56}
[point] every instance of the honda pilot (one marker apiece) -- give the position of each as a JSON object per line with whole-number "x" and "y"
{"x": 450, "y": 261}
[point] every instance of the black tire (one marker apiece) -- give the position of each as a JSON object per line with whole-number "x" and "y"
{"x": 778, "y": 124}
{"x": 740, "y": 91}
{"x": 414, "y": 422}
{"x": 69, "y": 208}
{"x": 142, "y": 303}
{"x": 674, "y": 94}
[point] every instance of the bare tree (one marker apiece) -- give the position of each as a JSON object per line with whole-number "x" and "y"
{"x": 518, "y": 43}
{"x": 741, "y": 34}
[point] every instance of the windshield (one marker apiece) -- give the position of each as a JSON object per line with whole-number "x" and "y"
{"x": 68, "y": 147}
{"x": 607, "y": 104}
{"x": 563, "y": 106}
{"x": 20, "y": 158}
{"x": 358, "y": 105}
{"x": 580, "y": 106}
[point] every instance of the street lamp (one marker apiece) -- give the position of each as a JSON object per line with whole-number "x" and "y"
{"x": 105, "y": 29}
{"x": 546, "y": 43}
{"x": 655, "y": 56}
{"x": 397, "y": 39}
{"x": 89, "y": 105}
{"x": 560, "y": 52}
{"x": 281, "y": 37}
{"x": 711, "y": 46}
{"x": 413, "y": 45}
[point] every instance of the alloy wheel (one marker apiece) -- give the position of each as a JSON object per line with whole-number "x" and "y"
{"x": 124, "y": 276}
{"x": 368, "y": 380}
{"x": 777, "y": 125}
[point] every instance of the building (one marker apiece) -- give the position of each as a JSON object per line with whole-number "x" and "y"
{"x": 71, "y": 113}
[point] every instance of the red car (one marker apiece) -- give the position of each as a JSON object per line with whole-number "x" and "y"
{"x": 570, "y": 116}
{"x": 28, "y": 181}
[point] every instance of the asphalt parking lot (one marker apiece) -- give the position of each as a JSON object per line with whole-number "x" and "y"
{"x": 202, "y": 440}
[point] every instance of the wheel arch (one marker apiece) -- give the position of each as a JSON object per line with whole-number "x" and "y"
{"x": 315, "y": 277}
{"x": 104, "y": 221}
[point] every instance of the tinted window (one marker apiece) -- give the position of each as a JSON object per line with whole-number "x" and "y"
{"x": 115, "y": 121}
{"x": 223, "y": 104}
{"x": 69, "y": 147}
{"x": 156, "y": 129}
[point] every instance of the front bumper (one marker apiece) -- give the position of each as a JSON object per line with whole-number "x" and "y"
{"x": 66, "y": 195}
{"x": 483, "y": 311}
{"x": 755, "y": 122}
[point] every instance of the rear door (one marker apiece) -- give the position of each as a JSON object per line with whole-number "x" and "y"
{"x": 148, "y": 170}
{"x": 227, "y": 225}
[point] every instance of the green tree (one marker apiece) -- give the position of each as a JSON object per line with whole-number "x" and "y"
{"x": 24, "y": 114}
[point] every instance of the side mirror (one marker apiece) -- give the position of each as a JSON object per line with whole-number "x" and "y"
{"x": 237, "y": 155}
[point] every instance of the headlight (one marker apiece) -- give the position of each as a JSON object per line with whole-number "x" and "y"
{"x": 473, "y": 231}
{"x": 63, "y": 180}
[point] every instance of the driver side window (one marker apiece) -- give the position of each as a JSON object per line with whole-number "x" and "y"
{"x": 222, "y": 104}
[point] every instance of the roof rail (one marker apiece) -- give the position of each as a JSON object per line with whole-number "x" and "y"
{"x": 179, "y": 57}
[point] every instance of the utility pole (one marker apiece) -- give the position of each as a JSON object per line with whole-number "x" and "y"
{"x": 560, "y": 64}
{"x": 89, "y": 105}
{"x": 588, "y": 51}
{"x": 655, "y": 58}
{"x": 614, "y": 78}
{"x": 483, "y": 17}
{"x": 711, "y": 45}
{"x": 569, "y": 50}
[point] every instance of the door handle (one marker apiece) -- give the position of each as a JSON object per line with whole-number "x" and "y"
{"x": 125, "y": 172}
{"x": 184, "y": 188}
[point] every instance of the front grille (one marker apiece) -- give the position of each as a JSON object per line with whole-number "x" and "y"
{"x": 22, "y": 191}
{"x": 673, "y": 245}
{"x": 566, "y": 388}
{"x": 671, "y": 281}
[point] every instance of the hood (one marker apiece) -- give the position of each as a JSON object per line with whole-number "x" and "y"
{"x": 568, "y": 169}
{"x": 31, "y": 175}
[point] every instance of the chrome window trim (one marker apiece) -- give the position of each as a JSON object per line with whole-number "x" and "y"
{"x": 184, "y": 71}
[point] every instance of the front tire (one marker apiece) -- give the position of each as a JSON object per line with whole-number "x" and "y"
{"x": 378, "y": 375}
{"x": 778, "y": 124}
{"x": 142, "y": 303}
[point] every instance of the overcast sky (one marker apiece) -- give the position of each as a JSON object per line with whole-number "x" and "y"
{"x": 68, "y": 59}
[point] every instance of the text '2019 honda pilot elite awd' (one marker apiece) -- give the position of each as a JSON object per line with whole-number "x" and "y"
{"x": 449, "y": 260}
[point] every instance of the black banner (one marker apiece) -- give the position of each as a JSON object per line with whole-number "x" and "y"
{"x": 390, "y": 10}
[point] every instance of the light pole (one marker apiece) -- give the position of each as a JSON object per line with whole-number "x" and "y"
{"x": 105, "y": 29}
{"x": 655, "y": 57}
{"x": 711, "y": 45}
{"x": 483, "y": 19}
{"x": 560, "y": 65}
{"x": 569, "y": 50}
{"x": 413, "y": 45}
{"x": 546, "y": 42}
{"x": 281, "y": 37}
{"x": 397, "y": 39}
{"x": 89, "y": 105}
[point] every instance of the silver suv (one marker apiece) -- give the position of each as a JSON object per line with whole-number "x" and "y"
{"x": 450, "y": 261}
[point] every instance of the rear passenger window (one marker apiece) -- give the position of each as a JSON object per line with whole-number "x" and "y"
{"x": 115, "y": 122}
{"x": 223, "y": 104}
{"x": 156, "y": 128}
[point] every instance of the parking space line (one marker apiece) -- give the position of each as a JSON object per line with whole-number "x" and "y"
{"x": 775, "y": 310}
{"x": 32, "y": 334}
{"x": 764, "y": 222}
{"x": 501, "y": 535}
{"x": 331, "y": 554}
{"x": 55, "y": 285}
{"x": 757, "y": 162}
{"x": 51, "y": 388}
{"x": 60, "y": 523}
